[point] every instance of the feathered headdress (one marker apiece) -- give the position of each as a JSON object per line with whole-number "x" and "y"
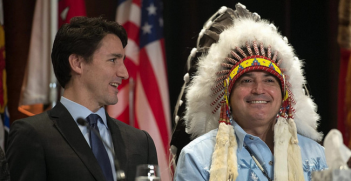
{"x": 232, "y": 43}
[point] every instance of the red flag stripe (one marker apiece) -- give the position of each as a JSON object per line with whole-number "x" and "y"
{"x": 137, "y": 2}
{"x": 152, "y": 91}
{"x": 133, "y": 31}
{"x": 132, "y": 52}
{"x": 155, "y": 55}
{"x": 145, "y": 111}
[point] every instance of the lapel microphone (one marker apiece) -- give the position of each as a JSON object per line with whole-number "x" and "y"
{"x": 119, "y": 173}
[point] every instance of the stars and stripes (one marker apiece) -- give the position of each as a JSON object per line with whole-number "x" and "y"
{"x": 143, "y": 99}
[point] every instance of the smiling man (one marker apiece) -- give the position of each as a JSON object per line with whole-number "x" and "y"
{"x": 246, "y": 106}
{"x": 88, "y": 59}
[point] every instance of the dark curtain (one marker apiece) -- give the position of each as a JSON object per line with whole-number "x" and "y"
{"x": 310, "y": 26}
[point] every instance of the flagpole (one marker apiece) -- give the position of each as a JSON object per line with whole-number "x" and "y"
{"x": 53, "y": 92}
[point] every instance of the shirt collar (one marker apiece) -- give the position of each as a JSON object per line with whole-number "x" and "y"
{"x": 78, "y": 111}
{"x": 240, "y": 134}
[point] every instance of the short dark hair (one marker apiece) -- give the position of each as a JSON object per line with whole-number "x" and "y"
{"x": 81, "y": 37}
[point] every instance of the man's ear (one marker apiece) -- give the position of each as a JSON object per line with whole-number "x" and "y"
{"x": 75, "y": 61}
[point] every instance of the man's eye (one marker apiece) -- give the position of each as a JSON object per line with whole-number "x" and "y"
{"x": 245, "y": 81}
{"x": 270, "y": 80}
{"x": 113, "y": 60}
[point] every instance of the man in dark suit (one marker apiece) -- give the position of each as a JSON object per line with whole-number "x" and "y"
{"x": 88, "y": 60}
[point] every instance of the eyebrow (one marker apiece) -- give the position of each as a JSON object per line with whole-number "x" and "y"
{"x": 249, "y": 74}
{"x": 118, "y": 55}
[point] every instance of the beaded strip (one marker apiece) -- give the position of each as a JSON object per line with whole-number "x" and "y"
{"x": 256, "y": 48}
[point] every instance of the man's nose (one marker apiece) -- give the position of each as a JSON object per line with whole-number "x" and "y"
{"x": 122, "y": 72}
{"x": 257, "y": 88}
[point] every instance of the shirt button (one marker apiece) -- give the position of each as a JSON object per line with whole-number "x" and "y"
{"x": 271, "y": 163}
{"x": 251, "y": 138}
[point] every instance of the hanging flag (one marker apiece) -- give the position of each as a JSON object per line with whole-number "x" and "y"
{"x": 344, "y": 59}
{"x": 4, "y": 121}
{"x": 348, "y": 101}
{"x": 344, "y": 97}
{"x": 143, "y": 99}
{"x": 69, "y": 9}
{"x": 37, "y": 80}
{"x": 35, "y": 86}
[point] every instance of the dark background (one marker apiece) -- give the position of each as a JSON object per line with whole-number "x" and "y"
{"x": 310, "y": 26}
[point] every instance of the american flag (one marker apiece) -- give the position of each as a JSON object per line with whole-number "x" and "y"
{"x": 143, "y": 99}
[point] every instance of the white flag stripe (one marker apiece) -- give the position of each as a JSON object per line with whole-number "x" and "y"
{"x": 154, "y": 52}
{"x": 117, "y": 109}
{"x": 36, "y": 84}
{"x": 147, "y": 122}
{"x": 132, "y": 51}
{"x": 122, "y": 13}
{"x": 135, "y": 15}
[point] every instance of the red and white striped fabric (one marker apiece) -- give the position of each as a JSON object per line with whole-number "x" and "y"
{"x": 143, "y": 99}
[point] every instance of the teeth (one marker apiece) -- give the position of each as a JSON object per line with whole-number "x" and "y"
{"x": 114, "y": 84}
{"x": 258, "y": 102}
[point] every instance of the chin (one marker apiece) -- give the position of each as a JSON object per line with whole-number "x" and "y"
{"x": 112, "y": 101}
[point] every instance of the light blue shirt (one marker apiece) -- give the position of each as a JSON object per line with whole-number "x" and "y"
{"x": 195, "y": 159}
{"x": 78, "y": 111}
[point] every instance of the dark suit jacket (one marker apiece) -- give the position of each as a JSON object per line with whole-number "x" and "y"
{"x": 4, "y": 172}
{"x": 50, "y": 146}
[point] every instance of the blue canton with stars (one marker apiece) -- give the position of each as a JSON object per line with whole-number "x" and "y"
{"x": 313, "y": 166}
{"x": 151, "y": 27}
{"x": 252, "y": 176}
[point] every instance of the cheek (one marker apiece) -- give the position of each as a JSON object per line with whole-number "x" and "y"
{"x": 237, "y": 96}
{"x": 277, "y": 95}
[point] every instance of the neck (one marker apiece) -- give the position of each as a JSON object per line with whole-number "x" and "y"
{"x": 265, "y": 133}
{"x": 78, "y": 96}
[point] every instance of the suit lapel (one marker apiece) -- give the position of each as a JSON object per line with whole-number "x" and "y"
{"x": 118, "y": 142}
{"x": 72, "y": 134}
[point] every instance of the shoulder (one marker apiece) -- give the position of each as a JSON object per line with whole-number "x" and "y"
{"x": 205, "y": 139}
{"x": 308, "y": 143}
{"x": 38, "y": 121}
{"x": 127, "y": 128}
{"x": 131, "y": 133}
{"x": 201, "y": 148}
{"x": 123, "y": 125}
{"x": 312, "y": 154}
{"x": 196, "y": 156}
{"x": 32, "y": 129}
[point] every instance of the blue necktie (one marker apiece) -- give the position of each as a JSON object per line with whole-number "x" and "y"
{"x": 98, "y": 147}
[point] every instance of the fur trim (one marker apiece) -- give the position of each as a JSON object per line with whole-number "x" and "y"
{"x": 294, "y": 155}
{"x": 287, "y": 154}
{"x": 218, "y": 169}
{"x": 199, "y": 117}
{"x": 232, "y": 172}
{"x": 281, "y": 142}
